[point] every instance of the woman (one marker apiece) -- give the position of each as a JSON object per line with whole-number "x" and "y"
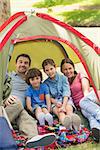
{"x": 84, "y": 98}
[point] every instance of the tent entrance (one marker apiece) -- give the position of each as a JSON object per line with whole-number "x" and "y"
{"x": 39, "y": 50}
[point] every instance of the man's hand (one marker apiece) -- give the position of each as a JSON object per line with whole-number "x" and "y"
{"x": 11, "y": 100}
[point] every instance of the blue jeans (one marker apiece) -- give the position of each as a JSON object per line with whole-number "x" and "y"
{"x": 91, "y": 110}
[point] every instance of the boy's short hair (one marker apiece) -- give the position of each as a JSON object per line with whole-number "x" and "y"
{"x": 48, "y": 61}
{"x": 33, "y": 72}
{"x": 26, "y": 56}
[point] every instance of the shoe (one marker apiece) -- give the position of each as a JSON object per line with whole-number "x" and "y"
{"x": 98, "y": 116}
{"x": 96, "y": 134}
{"x": 67, "y": 122}
{"x": 76, "y": 121}
{"x": 41, "y": 140}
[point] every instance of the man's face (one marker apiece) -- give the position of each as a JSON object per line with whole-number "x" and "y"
{"x": 22, "y": 65}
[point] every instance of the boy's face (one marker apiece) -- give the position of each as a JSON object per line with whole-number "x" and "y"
{"x": 22, "y": 65}
{"x": 50, "y": 71}
{"x": 35, "y": 82}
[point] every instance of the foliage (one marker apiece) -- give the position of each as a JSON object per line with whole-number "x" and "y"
{"x": 82, "y": 17}
{"x": 87, "y": 14}
{"x": 51, "y": 3}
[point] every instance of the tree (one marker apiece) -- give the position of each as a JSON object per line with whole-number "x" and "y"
{"x": 4, "y": 10}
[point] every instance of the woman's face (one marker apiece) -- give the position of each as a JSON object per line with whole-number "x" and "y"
{"x": 68, "y": 70}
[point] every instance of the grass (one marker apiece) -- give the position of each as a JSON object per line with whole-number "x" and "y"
{"x": 84, "y": 146}
{"x": 51, "y": 3}
{"x": 81, "y": 17}
{"x": 87, "y": 14}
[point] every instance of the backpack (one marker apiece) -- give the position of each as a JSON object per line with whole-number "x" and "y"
{"x": 6, "y": 139}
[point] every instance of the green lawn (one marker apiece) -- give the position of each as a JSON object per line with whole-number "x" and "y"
{"x": 82, "y": 12}
{"x": 81, "y": 17}
{"x": 84, "y": 146}
{"x": 50, "y": 3}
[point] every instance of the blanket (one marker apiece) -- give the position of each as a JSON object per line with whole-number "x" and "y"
{"x": 65, "y": 137}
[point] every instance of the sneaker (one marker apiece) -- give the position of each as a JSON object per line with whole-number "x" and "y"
{"x": 96, "y": 134}
{"x": 76, "y": 121}
{"x": 41, "y": 140}
{"x": 98, "y": 116}
{"x": 67, "y": 122}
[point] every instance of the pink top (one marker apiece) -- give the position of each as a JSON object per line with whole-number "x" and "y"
{"x": 76, "y": 89}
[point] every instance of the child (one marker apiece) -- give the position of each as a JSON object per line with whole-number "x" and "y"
{"x": 60, "y": 96}
{"x": 37, "y": 97}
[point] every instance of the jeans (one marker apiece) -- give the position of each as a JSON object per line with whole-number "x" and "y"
{"x": 91, "y": 110}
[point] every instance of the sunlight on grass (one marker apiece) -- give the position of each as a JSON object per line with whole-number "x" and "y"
{"x": 91, "y": 2}
{"x": 86, "y": 13}
{"x": 81, "y": 17}
{"x": 84, "y": 146}
{"x": 50, "y": 3}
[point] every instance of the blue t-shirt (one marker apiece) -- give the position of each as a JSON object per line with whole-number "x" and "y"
{"x": 59, "y": 87}
{"x": 37, "y": 95}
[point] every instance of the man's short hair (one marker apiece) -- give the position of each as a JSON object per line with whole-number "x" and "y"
{"x": 24, "y": 55}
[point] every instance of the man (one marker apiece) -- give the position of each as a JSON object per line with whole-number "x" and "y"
{"x": 15, "y": 103}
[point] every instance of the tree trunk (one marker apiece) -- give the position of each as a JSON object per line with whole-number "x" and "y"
{"x": 4, "y": 10}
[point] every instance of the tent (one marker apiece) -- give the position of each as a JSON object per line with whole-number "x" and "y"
{"x": 42, "y": 36}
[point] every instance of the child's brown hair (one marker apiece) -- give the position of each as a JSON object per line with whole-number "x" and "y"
{"x": 33, "y": 72}
{"x": 48, "y": 61}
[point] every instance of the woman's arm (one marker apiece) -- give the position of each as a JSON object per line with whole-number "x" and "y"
{"x": 28, "y": 104}
{"x": 65, "y": 99}
{"x": 85, "y": 86}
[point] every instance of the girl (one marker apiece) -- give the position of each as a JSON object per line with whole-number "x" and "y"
{"x": 83, "y": 98}
{"x": 60, "y": 94}
{"x": 37, "y": 97}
